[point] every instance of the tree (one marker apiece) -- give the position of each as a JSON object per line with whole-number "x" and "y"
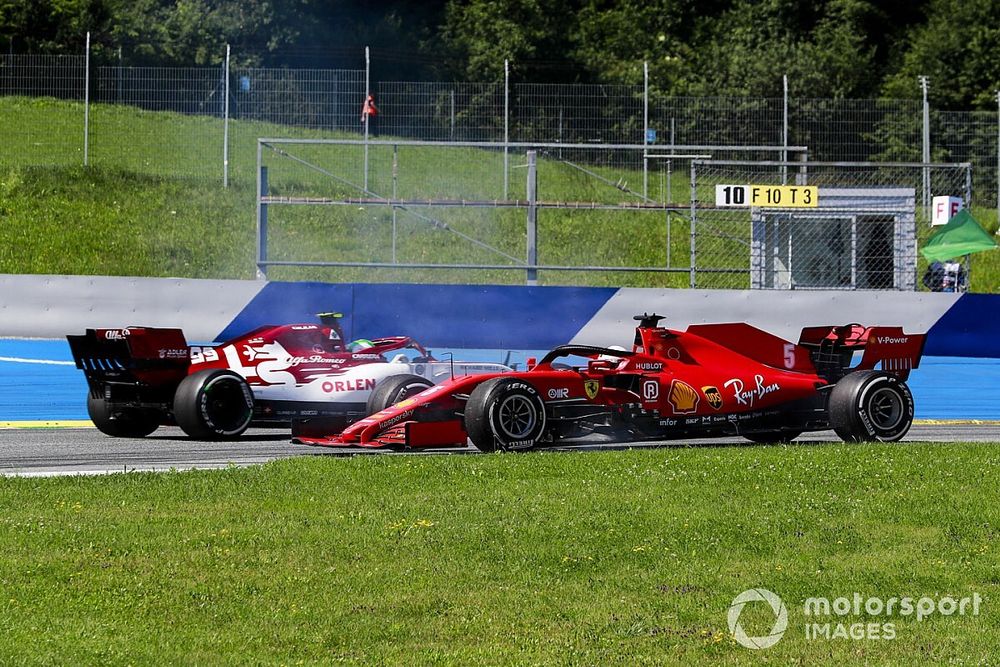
{"x": 51, "y": 26}
{"x": 957, "y": 47}
{"x": 481, "y": 34}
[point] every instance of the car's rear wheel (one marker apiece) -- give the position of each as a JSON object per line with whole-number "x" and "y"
{"x": 772, "y": 437}
{"x": 213, "y": 405}
{"x": 871, "y": 406}
{"x": 505, "y": 414}
{"x": 394, "y": 389}
{"x": 125, "y": 423}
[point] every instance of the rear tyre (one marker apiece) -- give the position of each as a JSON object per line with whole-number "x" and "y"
{"x": 213, "y": 405}
{"x": 394, "y": 389}
{"x": 505, "y": 414}
{"x": 126, "y": 423}
{"x": 772, "y": 437}
{"x": 871, "y": 406}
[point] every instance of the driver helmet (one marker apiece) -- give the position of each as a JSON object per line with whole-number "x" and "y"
{"x": 360, "y": 345}
{"x": 611, "y": 357}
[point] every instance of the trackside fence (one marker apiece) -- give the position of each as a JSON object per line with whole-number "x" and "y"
{"x": 59, "y": 110}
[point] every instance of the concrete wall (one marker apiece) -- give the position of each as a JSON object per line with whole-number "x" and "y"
{"x": 476, "y": 316}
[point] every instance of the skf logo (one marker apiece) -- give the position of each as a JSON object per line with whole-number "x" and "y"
{"x": 683, "y": 398}
{"x": 650, "y": 390}
{"x": 713, "y": 397}
{"x": 590, "y": 387}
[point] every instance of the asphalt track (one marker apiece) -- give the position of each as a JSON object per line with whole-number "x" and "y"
{"x": 86, "y": 451}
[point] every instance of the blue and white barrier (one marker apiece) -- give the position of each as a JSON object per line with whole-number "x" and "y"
{"x": 477, "y": 316}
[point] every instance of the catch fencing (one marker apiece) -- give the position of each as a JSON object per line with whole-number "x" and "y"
{"x": 737, "y": 223}
{"x": 64, "y": 110}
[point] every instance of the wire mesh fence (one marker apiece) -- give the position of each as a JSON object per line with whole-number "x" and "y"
{"x": 442, "y": 211}
{"x": 42, "y": 114}
{"x": 44, "y": 121}
{"x": 814, "y": 225}
{"x": 603, "y": 144}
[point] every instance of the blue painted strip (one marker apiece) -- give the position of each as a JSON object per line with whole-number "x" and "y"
{"x": 970, "y": 328}
{"x": 462, "y": 316}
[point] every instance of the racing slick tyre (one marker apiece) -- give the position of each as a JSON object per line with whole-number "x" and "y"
{"x": 505, "y": 414}
{"x": 128, "y": 423}
{"x": 868, "y": 406}
{"x": 394, "y": 389}
{"x": 772, "y": 437}
{"x": 213, "y": 405}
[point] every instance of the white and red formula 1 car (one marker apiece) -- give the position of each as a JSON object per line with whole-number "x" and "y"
{"x": 143, "y": 377}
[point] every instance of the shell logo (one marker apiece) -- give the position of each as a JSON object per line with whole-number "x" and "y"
{"x": 682, "y": 397}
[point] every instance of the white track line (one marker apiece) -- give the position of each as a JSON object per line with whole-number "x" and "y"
{"x": 51, "y": 362}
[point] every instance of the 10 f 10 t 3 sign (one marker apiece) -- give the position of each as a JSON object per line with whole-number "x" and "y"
{"x": 767, "y": 196}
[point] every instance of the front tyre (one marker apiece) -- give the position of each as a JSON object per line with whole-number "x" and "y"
{"x": 505, "y": 414}
{"x": 394, "y": 389}
{"x": 126, "y": 423}
{"x": 213, "y": 405}
{"x": 871, "y": 406}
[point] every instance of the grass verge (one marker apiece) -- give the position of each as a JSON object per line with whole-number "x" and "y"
{"x": 629, "y": 557}
{"x": 152, "y": 204}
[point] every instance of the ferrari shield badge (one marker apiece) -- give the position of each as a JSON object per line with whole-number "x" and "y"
{"x": 591, "y": 387}
{"x": 713, "y": 396}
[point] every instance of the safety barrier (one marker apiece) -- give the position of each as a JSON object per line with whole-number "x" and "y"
{"x": 477, "y": 316}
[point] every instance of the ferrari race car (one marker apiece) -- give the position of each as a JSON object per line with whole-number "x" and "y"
{"x": 141, "y": 377}
{"x": 710, "y": 380}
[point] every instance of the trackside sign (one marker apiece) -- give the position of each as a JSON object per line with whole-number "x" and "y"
{"x": 767, "y": 196}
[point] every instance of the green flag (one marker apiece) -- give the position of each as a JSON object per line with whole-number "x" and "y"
{"x": 961, "y": 236}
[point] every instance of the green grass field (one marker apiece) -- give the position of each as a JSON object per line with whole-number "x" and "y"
{"x": 151, "y": 204}
{"x": 628, "y": 557}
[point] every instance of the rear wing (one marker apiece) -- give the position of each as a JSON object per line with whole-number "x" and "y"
{"x": 833, "y": 348}
{"x": 140, "y": 355}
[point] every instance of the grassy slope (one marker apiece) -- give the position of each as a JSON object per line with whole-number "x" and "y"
{"x": 124, "y": 216}
{"x": 629, "y": 557}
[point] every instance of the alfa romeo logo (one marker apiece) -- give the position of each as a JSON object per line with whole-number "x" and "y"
{"x": 780, "y": 618}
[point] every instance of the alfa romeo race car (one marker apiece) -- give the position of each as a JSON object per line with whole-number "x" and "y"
{"x": 142, "y": 377}
{"x": 710, "y": 380}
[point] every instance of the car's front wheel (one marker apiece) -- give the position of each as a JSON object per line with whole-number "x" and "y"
{"x": 505, "y": 414}
{"x": 871, "y": 406}
{"x": 213, "y": 405}
{"x": 394, "y": 389}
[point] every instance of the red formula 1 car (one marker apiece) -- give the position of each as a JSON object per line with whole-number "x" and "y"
{"x": 711, "y": 380}
{"x": 141, "y": 377}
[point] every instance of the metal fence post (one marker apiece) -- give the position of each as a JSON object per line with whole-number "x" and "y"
{"x": 532, "y": 274}
{"x": 926, "y": 154}
{"x": 86, "y": 106}
{"x": 225, "y": 124}
{"x": 784, "y": 131}
{"x": 261, "y": 217}
{"x": 645, "y": 128}
{"x": 506, "y": 127}
{"x": 365, "y": 106}
{"x": 694, "y": 208}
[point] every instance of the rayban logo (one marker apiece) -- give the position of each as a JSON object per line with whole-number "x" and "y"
{"x": 756, "y": 392}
